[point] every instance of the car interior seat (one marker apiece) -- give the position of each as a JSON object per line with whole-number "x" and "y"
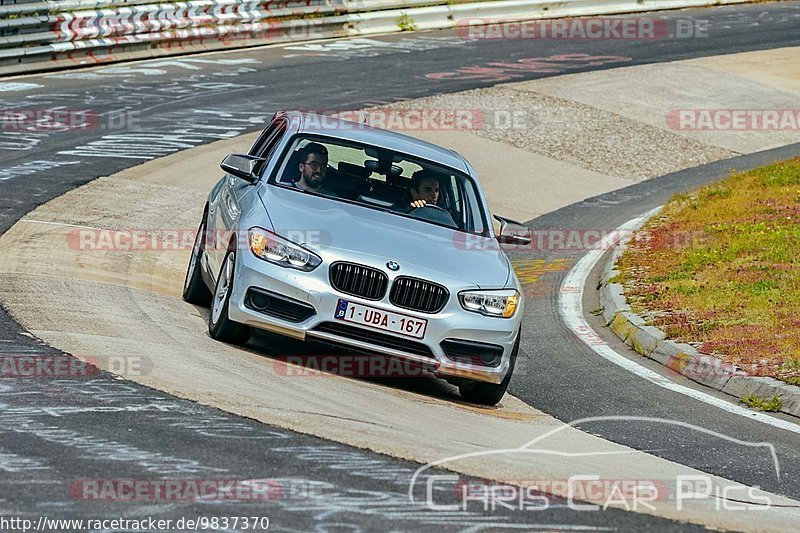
{"x": 292, "y": 172}
{"x": 349, "y": 180}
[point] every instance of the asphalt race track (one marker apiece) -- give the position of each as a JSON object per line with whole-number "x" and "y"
{"x": 61, "y": 430}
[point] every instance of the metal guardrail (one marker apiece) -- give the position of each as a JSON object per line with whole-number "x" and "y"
{"x": 41, "y": 35}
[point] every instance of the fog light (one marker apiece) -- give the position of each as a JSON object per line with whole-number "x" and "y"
{"x": 259, "y": 301}
{"x": 488, "y": 357}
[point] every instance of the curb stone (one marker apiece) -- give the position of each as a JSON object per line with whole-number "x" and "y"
{"x": 612, "y": 300}
{"x": 684, "y": 359}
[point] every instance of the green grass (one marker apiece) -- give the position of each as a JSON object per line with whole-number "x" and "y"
{"x": 406, "y": 23}
{"x": 720, "y": 266}
{"x": 757, "y": 402}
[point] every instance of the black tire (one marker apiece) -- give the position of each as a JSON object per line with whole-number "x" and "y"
{"x": 195, "y": 290}
{"x": 489, "y": 393}
{"x": 220, "y": 327}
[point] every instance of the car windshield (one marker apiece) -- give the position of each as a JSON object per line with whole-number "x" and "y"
{"x": 382, "y": 179}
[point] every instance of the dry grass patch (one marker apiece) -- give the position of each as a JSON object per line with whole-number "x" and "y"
{"x": 720, "y": 268}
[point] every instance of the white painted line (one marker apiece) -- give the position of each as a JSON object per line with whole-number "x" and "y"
{"x": 571, "y": 310}
{"x": 529, "y": 527}
{"x": 63, "y": 224}
{"x": 11, "y": 86}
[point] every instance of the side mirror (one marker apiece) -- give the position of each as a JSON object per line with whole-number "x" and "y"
{"x": 242, "y": 166}
{"x": 512, "y": 232}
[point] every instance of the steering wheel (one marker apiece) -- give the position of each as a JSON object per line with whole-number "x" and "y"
{"x": 435, "y": 214}
{"x": 433, "y": 206}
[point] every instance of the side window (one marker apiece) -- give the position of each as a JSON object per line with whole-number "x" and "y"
{"x": 453, "y": 188}
{"x": 475, "y": 222}
{"x": 262, "y": 139}
{"x": 289, "y": 172}
{"x": 272, "y": 142}
{"x": 267, "y": 141}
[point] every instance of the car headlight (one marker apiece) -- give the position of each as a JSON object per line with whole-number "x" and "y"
{"x": 271, "y": 247}
{"x": 502, "y": 303}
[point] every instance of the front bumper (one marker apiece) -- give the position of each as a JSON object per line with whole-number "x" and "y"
{"x": 314, "y": 289}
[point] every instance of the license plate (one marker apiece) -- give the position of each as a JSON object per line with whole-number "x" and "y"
{"x": 379, "y": 319}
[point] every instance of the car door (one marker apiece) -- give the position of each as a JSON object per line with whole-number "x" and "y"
{"x": 234, "y": 198}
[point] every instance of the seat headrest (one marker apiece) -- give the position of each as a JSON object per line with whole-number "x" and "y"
{"x": 292, "y": 172}
{"x": 353, "y": 169}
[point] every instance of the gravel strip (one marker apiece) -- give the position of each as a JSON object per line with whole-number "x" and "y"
{"x": 569, "y": 131}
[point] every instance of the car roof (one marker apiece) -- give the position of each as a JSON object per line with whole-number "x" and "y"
{"x": 313, "y": 123}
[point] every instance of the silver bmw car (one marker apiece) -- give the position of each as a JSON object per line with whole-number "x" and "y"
{"x": 364, "y": 238}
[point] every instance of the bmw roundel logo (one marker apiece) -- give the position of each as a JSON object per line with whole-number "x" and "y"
{"x": 393, "y": 266}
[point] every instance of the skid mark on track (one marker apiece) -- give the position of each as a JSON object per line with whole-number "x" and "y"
{"x": 529, "y": 272}
{"x": 500, "y": 413}
{"x": 499, "y": 71}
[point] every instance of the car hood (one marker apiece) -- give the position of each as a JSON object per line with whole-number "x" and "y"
{"x": 336, "y": 228}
